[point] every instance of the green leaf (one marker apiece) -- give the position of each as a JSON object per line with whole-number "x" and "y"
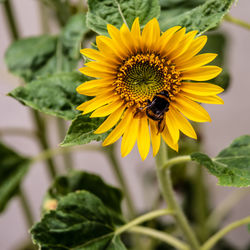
{"x": 81, "y": 221}
{"x": 82, "y": 130}
{"x": 27, "y": 56}
{"x": 79, "y": 180}
{"x": 43, "y": 55}
{"x": 232, "y": 165}
{"x": 13, "y": 168}
{"x": 103, "y": 12}
{"x": 202, "y": 18}
{"x": 53, "y": 95}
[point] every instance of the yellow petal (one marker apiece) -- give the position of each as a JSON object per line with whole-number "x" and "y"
{"x": 97, "y": 91}
{"x": 194, "y": 48}
{"x": 174, "y": 42}
{"x": 143, "y": 140}
{"x": 107, "y": 109}
{"x": 203, "y": 99}
{"x": 172, "y": 127}
{"x": 191, "y": 109}
{"x": 127, "y": 38}
{"x": 196, "y": 61}
{"x": 136, "y": 32}
{"x": 92, "y": 53}
{"x": 182, "y": 123}
{"x": 82, "y": 106}
{"x": 118, "y": 131}
{"x": 168, "y": 139}
{"x": 117, "y": 40}
{"x": 99, "y": 101}
{"x": 93, "y": 84}
{"x": 155, "y": 137}
{"x": 165, "y": 37}
{"x": 184, "y": 44}
{"x": 95, "y": 73}
{"x": 150, "y": 34}
{"x": 203, "y": 73}
{"x": 201, "y": 88}
{"x": 111, "y": 121}
{"x": 129, "y": 136}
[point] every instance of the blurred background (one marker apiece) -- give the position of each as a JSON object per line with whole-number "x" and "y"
{"x": 228, "y": 122}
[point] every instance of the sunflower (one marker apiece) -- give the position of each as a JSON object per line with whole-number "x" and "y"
{"x": 144, "y": 85}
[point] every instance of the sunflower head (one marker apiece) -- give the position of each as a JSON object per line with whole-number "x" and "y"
{"x": 148, "y": 84}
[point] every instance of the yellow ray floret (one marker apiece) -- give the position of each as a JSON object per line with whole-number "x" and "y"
{"x": 149, "y": 83}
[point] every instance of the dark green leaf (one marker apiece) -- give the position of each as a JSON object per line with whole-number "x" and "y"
{"x": 81, "y": 221}
{"x": 232, "y": 165}
{"x": 202, "y": 18}
{"x": 53, "y": 95}
{"x": 13, "y": 168}
{"x": 103, "y": 12}
{"x": 38, "y": 56}
{"x": 216, "y": 43}
{"x": 82, "y": 130}
{"x": 79, "y": 180}
{"x": 28, "y": 56}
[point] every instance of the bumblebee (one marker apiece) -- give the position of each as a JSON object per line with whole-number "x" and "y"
{"x": 157, "y": 108}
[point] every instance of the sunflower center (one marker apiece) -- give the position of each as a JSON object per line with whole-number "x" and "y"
{"x": 142, "y": 76}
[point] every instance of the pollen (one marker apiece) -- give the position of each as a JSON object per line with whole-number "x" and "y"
{"x": 142, "y": 76}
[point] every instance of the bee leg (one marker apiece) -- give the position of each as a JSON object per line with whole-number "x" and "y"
{"x": 161, "y": 126}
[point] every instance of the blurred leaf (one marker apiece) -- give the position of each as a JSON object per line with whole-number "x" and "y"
{"x": 13, "y": 168}
{"x": 216, "y": 43}
{"x": 43, "y": 55}
{"x": 82, "y": 130}
{"x": 202, "y": 18}
{"x": 53, "y": 95}
{"x": 103, "y": 12}
{"x": 27, "y": 56}
{"x": 79, "y": 180}
{"x": 232, "y": 165}
{"x": 81, "y": 221}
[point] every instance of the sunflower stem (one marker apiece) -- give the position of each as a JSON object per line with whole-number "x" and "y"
{"x": 165, "y": 183}
{"x": 120, "y": 177}
{"x": 170, "y": 240}
{"x": 176, "y": 160}
{"x": 11, "y": 20}
{"x": 26, "y": 208}
{"x": 237, "y": 22}
{"x": 216, "y": 237}
{"x": 148, "y": 216}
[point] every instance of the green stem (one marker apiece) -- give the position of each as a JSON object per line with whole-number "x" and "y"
{"x": 165, "y": 184}
{"x": 46, "y": 154}
{"x": 26, "y": 208}
{"x": 214, "y": 239}
{"x": 43, "y": 141}
{"x": 224, "y": 208}
{"x": 143, "y": 218}
{"x": 119, "y": 175}
{"x": 11, "y": 20}
{"x": 237, "y": 21}
{"x": 176, "y": 160}
{"x": 160, "y": 236}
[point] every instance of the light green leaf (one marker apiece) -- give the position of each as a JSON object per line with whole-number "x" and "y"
{"x": 232, "y": 165}
{"x": 53, "y": 95}
{"x": 43, "y": 55}
{"x": 13, "y": 168}
{"x": 79, "y": 180}
{"x": 202, "y": 18}
{"x": 103, "y": 12}
{"x": 82, "y": 130}
{"x": 81, "y": 221}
